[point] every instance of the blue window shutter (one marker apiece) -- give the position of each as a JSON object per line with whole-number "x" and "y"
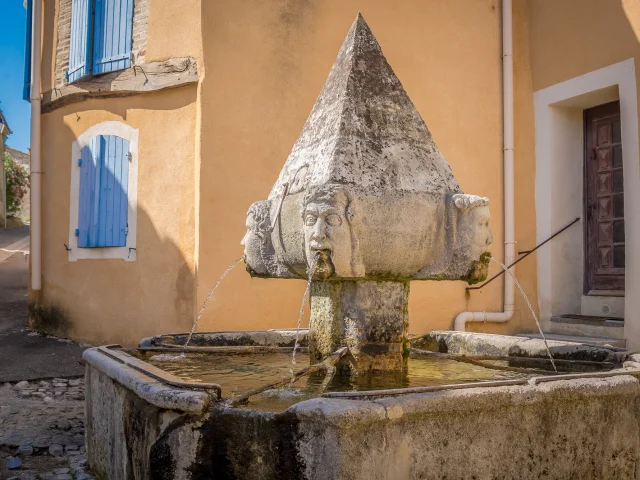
{"x": 113, "y": 35}
{"x": 26, "y": 92}
{"x": 103, "y": 211}
{"x": 80, "y": 41}
{"x": 89, "y": 173}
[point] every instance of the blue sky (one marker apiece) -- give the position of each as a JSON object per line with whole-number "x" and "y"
{"x": 16, "y": 110}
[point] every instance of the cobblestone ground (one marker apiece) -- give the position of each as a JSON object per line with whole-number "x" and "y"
{"x": 42, "y": 430}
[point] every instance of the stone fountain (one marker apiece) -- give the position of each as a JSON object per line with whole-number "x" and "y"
{"x": 366, "y": 203}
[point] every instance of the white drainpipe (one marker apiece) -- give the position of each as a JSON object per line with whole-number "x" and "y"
{"x": 36, "y": 220}
{"x": 509, "y": 199}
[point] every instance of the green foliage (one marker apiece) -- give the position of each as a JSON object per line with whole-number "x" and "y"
{"x": 17, "y": 184}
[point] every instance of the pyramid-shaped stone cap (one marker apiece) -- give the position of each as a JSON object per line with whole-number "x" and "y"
{"x": 364, "y": 132}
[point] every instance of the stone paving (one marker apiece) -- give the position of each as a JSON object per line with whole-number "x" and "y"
{"x": 41, "y": 417}
{"x": 42, "y": 430}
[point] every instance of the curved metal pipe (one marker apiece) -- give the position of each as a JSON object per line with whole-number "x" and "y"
{"x": 509, "y": 191}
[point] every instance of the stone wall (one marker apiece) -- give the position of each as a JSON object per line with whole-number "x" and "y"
{"x": 62, "y": 46}
{"x": 140, "y": 19}
{"x": 583, "y": 428}
{"x": 128, "y": 437}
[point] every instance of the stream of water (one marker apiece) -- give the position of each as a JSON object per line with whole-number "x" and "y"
{"x": 314, "y": 260}
{"x": 526, "y": 299}
{"x": 206, "y": 300}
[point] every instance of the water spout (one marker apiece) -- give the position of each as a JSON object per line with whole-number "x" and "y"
{"x": 206, "y": 300}
{"x": 526, "y": 299}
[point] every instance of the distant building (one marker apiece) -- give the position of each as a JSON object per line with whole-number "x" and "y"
{"x": 23, "y": 159}
{"x": 4, "y": 132}
{"x": 189, "y": 109}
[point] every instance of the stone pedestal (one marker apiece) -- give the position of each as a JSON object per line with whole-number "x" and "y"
{"x": 369, "y": 317}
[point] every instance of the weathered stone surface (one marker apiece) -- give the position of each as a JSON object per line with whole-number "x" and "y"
{"x": 470, "y": 343}
{"x": 366, "y": 185}
{"x": 160, "y": 443}
{"x": 364, "y": 131}
{"x": 25, "y": 450}
{"x": 370, "y": 318}
{"x": 553, "y": 431}
{"x": 13, "y": 463}
{"x": 56, "y": 450}
{"x": 366, "y": 194}
{"x": 275, "y": 338}
{"x": 153, "y": 391}
{"x": 583, "y": 428}
{"x": 149, "y": 77}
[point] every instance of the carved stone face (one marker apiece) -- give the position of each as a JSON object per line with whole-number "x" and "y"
{"x": 476, "y": 238}
{"x": 479, "y": 219}
{"x": 327, "y": 235}
{"x": 254, "y": 237}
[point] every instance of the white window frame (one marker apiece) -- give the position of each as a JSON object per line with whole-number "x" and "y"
{"x": 128, "y": 252}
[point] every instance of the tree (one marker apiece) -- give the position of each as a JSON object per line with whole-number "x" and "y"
{"x": 17, "y": 184}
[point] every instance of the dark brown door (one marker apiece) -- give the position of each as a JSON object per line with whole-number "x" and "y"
{"x": 604, "y": 200}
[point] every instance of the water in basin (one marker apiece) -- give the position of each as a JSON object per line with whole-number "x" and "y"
{"x": 241, "y": 373}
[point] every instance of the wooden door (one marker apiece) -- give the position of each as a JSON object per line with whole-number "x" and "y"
{"x": 604, "y": 200}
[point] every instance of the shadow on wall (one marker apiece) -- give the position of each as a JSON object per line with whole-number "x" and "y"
{"x": 112, "y": 300}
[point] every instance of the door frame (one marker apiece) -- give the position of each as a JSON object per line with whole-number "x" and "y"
{"x": 564, "y": 102}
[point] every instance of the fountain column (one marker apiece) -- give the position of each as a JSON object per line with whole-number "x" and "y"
{"x": 370, "y": 317}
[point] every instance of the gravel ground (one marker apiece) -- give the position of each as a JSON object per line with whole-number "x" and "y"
{"x": 41, "y": 421}
{"x": 42, "y": 430}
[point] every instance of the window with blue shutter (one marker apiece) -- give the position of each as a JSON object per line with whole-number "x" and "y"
{"x": 80, "y": 45}
{"x": 112, "y": 36}
{"x": 103, "y": 201}
{"x": 101, "y": 37}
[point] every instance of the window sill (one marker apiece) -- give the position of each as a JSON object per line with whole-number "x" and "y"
{"x": 605, "y": 293}
{"x": 128, "y": 254}
{"x": 148, "y": 77}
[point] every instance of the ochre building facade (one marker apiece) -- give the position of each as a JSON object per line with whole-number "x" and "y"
{"x": 213, "y": 97}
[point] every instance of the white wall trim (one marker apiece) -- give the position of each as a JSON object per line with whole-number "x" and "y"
{"x": 575, "y": 93}
{"x": 128, "y": 252}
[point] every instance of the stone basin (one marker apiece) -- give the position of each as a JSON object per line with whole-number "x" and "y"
{"x": 145, "y": 423}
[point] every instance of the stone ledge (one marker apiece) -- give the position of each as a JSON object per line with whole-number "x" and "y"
{"x": 147, "y": 388}
{"x": 148, "y": 77}
{"x": 266, "y": 338}
{"x": 471, "y": 343}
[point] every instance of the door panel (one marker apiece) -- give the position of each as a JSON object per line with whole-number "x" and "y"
{"x": 604, "y": 200}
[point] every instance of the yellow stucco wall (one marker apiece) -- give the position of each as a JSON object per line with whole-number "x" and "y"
{"x": 265, "y": 64}
{"x": 109, "y": 301}
{"x": 573, "y": 37}
{"x": 174, "y": 30}
{"x": 208, "y": 151}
